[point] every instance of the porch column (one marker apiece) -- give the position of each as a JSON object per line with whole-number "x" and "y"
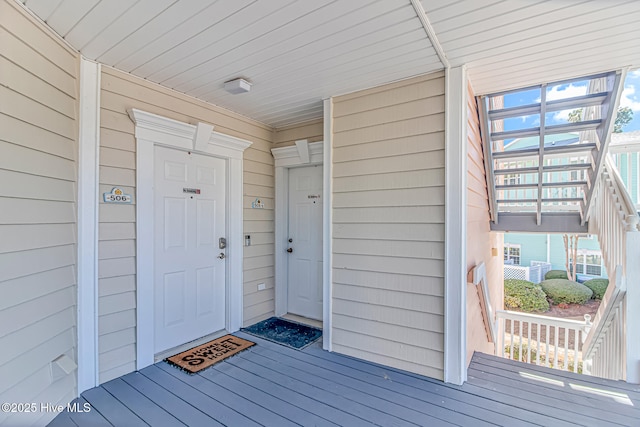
{"x": 88, "y": 161}
{"x": 455, "y": 280}
{"x": 632, "y": 302}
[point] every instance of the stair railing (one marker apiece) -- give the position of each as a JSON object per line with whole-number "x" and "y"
{"x": 611, "y": 347}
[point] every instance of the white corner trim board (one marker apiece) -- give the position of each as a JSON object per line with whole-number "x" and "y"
{"x": 288, "y": 157}
{"x": 455, "y": 282}
{"x": 88, "y": 199}
{"x": 327, "y": 228}
{"x": 150, "y": 130}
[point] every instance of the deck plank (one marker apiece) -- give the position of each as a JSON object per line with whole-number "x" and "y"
{"x": 272, "y": 385}
{"x": 579, "y": 413}
{"x": 237, "y": 402}
{"x": 419, "y": 386}
{"x": 141, "y": 405}
{"x": 414, "y": 397}
{"x": 565, "y": 395}
{"x": 587, "y": 380}
{"x": 300, "y": 394}
{"x": 365, "y": 415}
{"x": 493, "y": 402}
{"x": 179, "y": 408}
{"x": 520, "y": 398}
{"x": 111, "y": 408}
{"x": 410, "y": 409}
{"x": 294, "y": 414}
{"x": 93, "y": 418}
{"x": 62, "y": 420}
{"x": 212, "y": 407}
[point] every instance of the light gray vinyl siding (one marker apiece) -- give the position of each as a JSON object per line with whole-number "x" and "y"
{"x": 38, "y": 122}
{"x": 117, "y": 265}
{"x": 388, "y": 224}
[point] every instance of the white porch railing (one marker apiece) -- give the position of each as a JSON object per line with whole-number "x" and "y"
{"x": 612, "y": 346}
{"x": 543, "y": 340}
{"x": 604, "y": 353}
{"x": 613, "y": 216}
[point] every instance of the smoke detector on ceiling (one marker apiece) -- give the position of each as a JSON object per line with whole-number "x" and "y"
{"x": 237, "y": 86}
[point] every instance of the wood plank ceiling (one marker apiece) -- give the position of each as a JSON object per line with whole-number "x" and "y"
{"x": 298, "y": 52}
{"x": 294, "y": 52}
{"x": 509, "y": 44}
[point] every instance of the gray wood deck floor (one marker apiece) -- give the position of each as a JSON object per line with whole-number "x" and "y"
{"x": 272, "y": 385}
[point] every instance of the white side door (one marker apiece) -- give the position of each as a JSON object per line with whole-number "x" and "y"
{"x": 305, "y": 242}
{"x": 189, "y": 220}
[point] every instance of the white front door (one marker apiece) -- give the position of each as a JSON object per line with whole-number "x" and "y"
{"x": 305, "y": 242}
{"x": 189, "y": 220}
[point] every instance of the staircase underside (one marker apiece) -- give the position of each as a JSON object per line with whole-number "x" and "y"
{"x": 543, "y": 152}
{"x": 551, "y": 222}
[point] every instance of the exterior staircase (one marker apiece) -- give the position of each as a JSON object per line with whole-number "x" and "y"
{"x": 543, "y": 178}
{"x": 559, "y": 178}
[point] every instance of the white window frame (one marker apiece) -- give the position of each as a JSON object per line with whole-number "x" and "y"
{"x": 508, "y": 247}
{"x": 584, "y": 253}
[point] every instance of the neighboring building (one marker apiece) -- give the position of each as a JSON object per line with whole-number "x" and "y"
{"x": 521, "y": 249}
{"x": 625, "y": 150}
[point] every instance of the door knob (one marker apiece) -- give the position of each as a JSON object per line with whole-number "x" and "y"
{"x": 222, "y": 255}
{"x": 290, "y": 250}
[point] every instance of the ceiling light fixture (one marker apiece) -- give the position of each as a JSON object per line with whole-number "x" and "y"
{"x": 237, "y": 86}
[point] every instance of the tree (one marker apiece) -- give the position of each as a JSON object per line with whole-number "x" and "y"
{"x": 624, "y": 116}
{"x": 571, "y": 251}
{"x": 575, "y": 116}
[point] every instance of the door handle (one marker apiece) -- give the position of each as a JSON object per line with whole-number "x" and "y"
{"x": 290, "y": 250}
{"x": 222, "y": 255}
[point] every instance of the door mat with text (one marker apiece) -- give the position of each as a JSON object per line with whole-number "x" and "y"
{"x": 205, "y": 355}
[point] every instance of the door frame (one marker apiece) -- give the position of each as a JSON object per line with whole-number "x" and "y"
{"x": 151, "y": 130}
{"x": 301, "y": 154}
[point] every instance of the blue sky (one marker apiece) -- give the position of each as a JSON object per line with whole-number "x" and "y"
{"x": 630, "y": 98}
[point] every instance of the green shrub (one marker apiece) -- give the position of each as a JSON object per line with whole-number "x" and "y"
{"x": 598, "y": 286}
{"x": 524, "y": 295}
{"x": 566, "y": 291}
{"x": 556, "y": 274}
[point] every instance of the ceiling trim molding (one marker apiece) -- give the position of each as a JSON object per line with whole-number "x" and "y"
{"x": 431, "y": 33}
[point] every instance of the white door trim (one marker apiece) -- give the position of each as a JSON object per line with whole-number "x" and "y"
{"x": 88, "y": 209}
{"x": 151, "y": 130}
{"x": 286, "y": 158}
{"x": 455, "y": 280}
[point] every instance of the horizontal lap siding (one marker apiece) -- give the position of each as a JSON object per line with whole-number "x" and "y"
{"x": 117, "y": 271}
{"x": 38, "y": 118}
{"x": 480, "y": 241}
{"x": 388, "y": 224}
{"x": 312, "y": 131}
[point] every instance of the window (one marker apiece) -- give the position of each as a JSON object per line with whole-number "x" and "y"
{"x": 511, "y": 254}
{"x": 589, "y": 263}
{"x": 512, "y": 179}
